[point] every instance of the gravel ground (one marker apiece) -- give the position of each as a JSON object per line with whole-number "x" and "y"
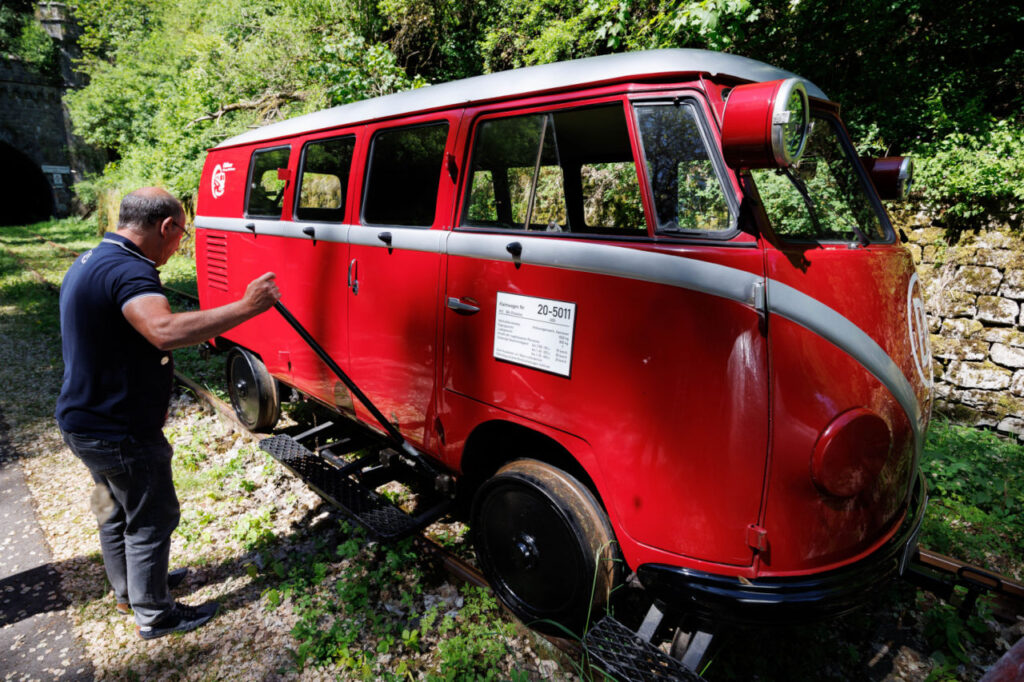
{"x": 241, "y": 513}
{"x": 248, "y": 639}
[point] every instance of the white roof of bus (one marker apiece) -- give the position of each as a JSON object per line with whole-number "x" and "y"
{"x": 529, "y": 80}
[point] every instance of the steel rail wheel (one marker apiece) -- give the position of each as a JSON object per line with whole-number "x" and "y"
{"x": 545, "y": 545}
{"x": 253, "y": 391}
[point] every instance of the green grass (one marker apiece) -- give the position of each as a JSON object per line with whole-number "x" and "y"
{"x": 976, "y": 481}
{"x": 345, "y": 626}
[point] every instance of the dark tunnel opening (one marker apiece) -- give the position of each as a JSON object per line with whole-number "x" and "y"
{"x": 25, "y": 195}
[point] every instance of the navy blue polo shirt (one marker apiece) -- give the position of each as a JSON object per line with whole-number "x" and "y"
{"x": 116, "y": 383}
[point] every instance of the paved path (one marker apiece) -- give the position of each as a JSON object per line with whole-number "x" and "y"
{"x": 36, "y": 638}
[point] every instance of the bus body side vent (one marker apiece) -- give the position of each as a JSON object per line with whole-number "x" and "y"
{"x": 217, "y": 261}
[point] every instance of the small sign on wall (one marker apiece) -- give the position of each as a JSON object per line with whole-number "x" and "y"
{"x": 534, "y": 332}
{"x": 56, "y": 174}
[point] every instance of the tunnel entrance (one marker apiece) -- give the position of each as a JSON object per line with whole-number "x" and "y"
{"x": 25, "y": 195}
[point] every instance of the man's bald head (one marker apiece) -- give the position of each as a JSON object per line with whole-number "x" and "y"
{"x": 147, "y": 207}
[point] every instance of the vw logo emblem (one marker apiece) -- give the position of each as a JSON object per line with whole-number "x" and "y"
{"x": 218, "y": 181}
{"x": 917, "y": 325}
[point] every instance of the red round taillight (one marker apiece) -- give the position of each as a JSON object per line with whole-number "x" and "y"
{"x": 850, "y": 453}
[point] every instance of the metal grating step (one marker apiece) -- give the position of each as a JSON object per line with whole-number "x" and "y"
{"x": 382, "y": 518}
{"x": 618, "y": 651}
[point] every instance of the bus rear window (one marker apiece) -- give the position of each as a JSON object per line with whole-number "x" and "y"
{"x": 266, "y": 190}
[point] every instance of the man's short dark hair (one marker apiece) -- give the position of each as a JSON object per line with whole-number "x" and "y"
{"x": 142, "y": 209}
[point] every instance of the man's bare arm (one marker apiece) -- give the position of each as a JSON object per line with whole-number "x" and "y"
{"x": 151, "y": 316}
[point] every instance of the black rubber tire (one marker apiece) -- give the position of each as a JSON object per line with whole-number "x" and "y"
{"x": 546, "y": 546}
{"x": 253, "y": 391}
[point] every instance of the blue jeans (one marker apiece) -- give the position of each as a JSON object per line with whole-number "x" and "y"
{"x": 136, "y": 538}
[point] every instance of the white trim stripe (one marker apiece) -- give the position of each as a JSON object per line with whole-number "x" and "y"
{"x": 829, "y": 324}
{"x": 627, "y": 263}
{"x": 125, "y": 247}
{"x": 145, "y": 295}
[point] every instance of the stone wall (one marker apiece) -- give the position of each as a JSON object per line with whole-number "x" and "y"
{"x": 34, "y": 123}
{"x": 974, "y": 295}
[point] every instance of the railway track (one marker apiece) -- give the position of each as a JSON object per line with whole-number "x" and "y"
{"x": 457, "y": 567}
{"x": 454, "y": 565}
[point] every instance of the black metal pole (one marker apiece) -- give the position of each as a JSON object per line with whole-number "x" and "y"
{"x": 318, "y": 349}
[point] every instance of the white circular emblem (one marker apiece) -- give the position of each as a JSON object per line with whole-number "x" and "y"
{"x": 217, "y": 181}
{"x": 917, "y": 326}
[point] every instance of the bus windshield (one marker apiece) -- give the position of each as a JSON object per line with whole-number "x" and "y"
{"x": 822, "y": 197}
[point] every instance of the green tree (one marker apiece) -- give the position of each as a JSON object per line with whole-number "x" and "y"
{"x": 24, "y": 39}
{"x": 938, "y": 80}
{"x": 163, "y": 90}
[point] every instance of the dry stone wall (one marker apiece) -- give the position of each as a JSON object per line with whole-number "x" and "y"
{"x": 974, "y": 295}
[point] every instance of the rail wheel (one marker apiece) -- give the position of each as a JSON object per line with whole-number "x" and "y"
{"x": 545, "y": 545}
{"x": 253, "y": 391}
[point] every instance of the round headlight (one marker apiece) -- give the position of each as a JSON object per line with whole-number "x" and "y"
{"x": 790, "y": 120}
{"x": 765, "y": 125}
{"x": 905, "y": 178}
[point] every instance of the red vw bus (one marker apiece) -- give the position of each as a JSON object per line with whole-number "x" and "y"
{"x": 644, "y": 313}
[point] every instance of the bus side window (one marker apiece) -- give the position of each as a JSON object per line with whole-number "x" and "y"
{"x": 403, "y": 176}
{"x": 324, "y": 179}
{"x": 266, "y": 190}
{"x": 563, "y": 171}
{"x": 688, "y": 195}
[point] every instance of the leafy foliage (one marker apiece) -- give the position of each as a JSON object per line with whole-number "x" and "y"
{"x": 169, "y": 79}
{"x": 24, "y": 39}
{"x": 164, "y": 89}
{"x": 974, "y": 179}
{"x": 935, "y": 80}
{"x": 976, "y": 482}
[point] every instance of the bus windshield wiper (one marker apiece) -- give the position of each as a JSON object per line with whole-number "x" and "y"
{"x": 801, "y": 187}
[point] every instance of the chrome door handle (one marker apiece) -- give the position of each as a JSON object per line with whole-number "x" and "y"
{"x": 462, "y": 308}
{"x": 353, "y": 276}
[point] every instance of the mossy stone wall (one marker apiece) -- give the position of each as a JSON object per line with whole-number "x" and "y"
{"x": 974, "y": 295}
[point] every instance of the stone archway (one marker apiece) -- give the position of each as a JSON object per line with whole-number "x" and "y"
{"x": 25, "y": 194}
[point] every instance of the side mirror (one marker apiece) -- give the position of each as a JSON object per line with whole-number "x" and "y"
{"x": 765, "y": 125}
{"x": 892, "y": 176}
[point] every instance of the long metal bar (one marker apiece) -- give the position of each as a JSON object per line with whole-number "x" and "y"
{"x": 972, "y": 575}
{"x": 393, "y": 432}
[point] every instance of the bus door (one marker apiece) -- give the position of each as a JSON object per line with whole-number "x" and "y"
{"x": 393, "y": 271}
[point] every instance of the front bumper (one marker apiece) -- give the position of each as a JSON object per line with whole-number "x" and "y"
{"x": 803, "y": 598}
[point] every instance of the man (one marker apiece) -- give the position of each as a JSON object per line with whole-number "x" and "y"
{"x": 118, "y": 331}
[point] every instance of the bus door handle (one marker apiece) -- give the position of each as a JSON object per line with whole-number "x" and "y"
{"x": 353, "y": 276}
{"x": 462, "y": 308}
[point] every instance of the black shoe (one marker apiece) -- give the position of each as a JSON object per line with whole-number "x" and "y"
{"x": 174, "y": 578}
{"x": 182, "y": 618}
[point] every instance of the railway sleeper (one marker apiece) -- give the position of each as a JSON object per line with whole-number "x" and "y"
{"x": 347, "y": 471}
